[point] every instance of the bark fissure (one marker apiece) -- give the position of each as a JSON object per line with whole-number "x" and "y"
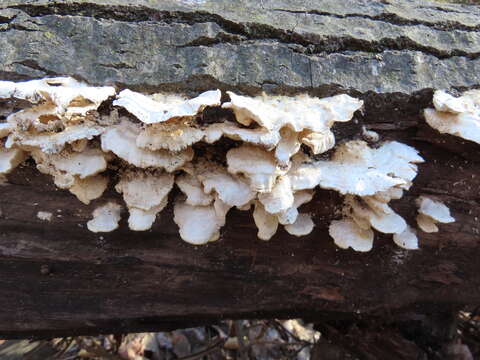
{"x": 389, "y": 18}
{"x": 248, "y": 31}
{"x": 36, "y": 66}
{"x": 340, "y": 45}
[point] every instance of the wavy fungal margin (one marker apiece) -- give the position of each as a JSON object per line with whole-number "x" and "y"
{"x": 272, "y": 166}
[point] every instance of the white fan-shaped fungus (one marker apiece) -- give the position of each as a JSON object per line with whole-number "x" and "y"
{"x": 52, "y": 142}
{"x": 193, "y": 189}
{"x": 89, "y": 188}
{"x": 358, "y": 169}
{"x": 10, "y": 159}
{"x": 266, "y": 223}
{"x": 431, "y": 212}
{"x": 387, "y": 222}
{"x": 175, "y": 136}
{"x": 289, "y": 216}
{"x": 162, "y": 108}
{"x": 426, "y": 223}
{"x": 121, "y": 140}
{"x": 378, "y": 176}
{"x": 259, "y": 136}
{"x": 145, "y": 195}
{"x": 65, "y": 92}
{"x": 346, "y": 233}
{"x": 232, "y": 190}
{"x": 280, "y": 199}
{"x": 406, "y": 239}
{"x": 298, "y": 113}
{"x": 199, "y": 224}
{"x": 302, "y": 226}
{"x": 258, "y": 165}
{"x": 456, "y": 116}
{"x": 67, "y": 165}
{"x": 105, "y": 218}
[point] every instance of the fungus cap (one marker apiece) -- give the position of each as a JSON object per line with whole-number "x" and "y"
{"x": 105, "y": 218}
{"x": 347, "y": 233}
{"x": 164, "y": 107}
{"x": 256, "y": 164}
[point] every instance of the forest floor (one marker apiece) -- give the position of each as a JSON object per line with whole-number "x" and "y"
{"x": 260, "y": 340}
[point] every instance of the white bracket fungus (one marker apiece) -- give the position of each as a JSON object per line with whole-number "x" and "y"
{"x": 168, "y": 119}
{"x": 431, "y": 212}
{"x": 69, "y": 139}
{"x": 90, "y": 188}
{"x": 199, "y": 224}
{"x": 266, "y": 223}
{"x": 346, "y": 233}
{"x": 406, "y": 239}
{"x": 105, "y": 218}
{"x": 66, "y": 94}
{"x": 302, "y": 226}
{"x": 10, "y": 159}
{"x": 145, "y": 196}
{"x": 233, "y": 191}
{"x": 165, "y": 107}
{"x": 300, "y": 119}
{"x": 456, "y": 116}
{"x": 376, "y": 177}
{"x": 121, "y": 140}
{"x": 193, "y": 189}
{"x": 257, "y": 164}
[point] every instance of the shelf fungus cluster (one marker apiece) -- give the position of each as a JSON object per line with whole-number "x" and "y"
{"x": 150, "y": 144}
{"x": 459, "y": 116}
{"x": 376, "y": 176}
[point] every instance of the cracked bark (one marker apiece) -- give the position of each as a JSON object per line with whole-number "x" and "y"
{"x": 127, "y": 281}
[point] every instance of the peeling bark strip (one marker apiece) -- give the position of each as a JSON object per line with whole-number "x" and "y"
{"x": 124, "y": 281}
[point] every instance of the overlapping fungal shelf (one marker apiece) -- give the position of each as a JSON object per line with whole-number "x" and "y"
{"x": 459, "y": 116}
{"x": 150, "y": 147}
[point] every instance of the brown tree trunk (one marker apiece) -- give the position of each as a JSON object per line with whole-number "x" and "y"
{"x": 59, "y": 279}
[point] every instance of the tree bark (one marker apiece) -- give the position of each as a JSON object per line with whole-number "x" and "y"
{"x": 59, "y": 279}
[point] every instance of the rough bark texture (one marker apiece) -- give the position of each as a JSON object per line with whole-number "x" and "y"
{"x": 58, "y": 278}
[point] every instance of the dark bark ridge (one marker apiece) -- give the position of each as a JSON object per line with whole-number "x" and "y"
{"x": 173, "y": 43}
{"x": 58, "y": 278}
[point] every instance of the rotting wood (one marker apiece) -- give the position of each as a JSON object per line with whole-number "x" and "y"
{"x": 57, "y": 278}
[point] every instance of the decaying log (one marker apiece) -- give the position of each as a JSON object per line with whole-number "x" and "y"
{"x": 57, "y": 278}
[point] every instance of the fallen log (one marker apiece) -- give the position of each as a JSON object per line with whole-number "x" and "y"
{"x": 59, "y": 279}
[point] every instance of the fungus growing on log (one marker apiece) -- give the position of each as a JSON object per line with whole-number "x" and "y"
{"x": 154, "y": 146}
{"x": 10, "y": 159}
{"x": 199, "y": 224}
{"x": 456, "y": 116}
{"x": 105, "y": 218}
{"x": 161, "y": 108}
{"x": 145, "y": 195}
{"x": 431, "y": 212}
{"x": 370, "y": 178}
{"x": 346, "y": 233}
